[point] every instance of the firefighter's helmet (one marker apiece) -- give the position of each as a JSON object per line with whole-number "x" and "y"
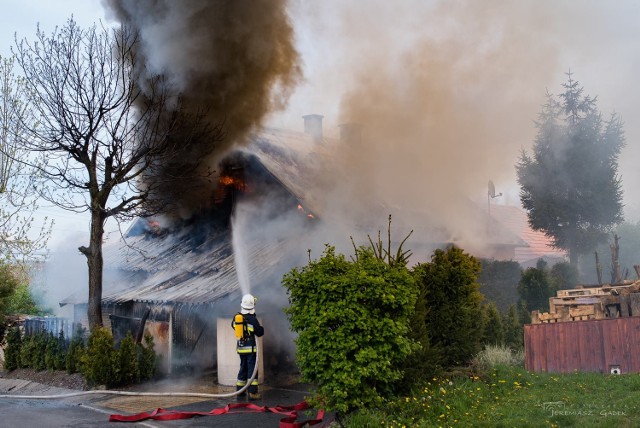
{"x": 248, "y": 302}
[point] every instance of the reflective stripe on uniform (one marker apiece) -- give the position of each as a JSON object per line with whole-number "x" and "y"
{"x": 255, "y": 382}
{"x": 241, "y": 383}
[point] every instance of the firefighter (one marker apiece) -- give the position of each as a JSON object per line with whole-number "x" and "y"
{"x": 247, "y": 327}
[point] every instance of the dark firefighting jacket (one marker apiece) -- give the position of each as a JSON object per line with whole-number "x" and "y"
{"x": 252, "y": 328}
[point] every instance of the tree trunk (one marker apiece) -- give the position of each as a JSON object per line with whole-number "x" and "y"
{"x": 95, "y": 263}
{"x": 573, "y": 255}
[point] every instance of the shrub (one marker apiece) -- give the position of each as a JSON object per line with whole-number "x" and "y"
{"x": 12, "y": 352}
{"x": 147, "y": 359}
{"x": 73, "y": 359}
{"x": 27, "y": 351}
{"x": 38, "y": 358}
{"x": 535, "y": 287}
{"x": 99, "y": 359}
{"x": 498, "y": 355}
{"x": 449, "y": 286}
{"x": 493, "y": 328}
{"x": 498, "y": 281}
{"x": 513, "y": 331}
{"x": 352, "y": 320}
{"x": 127, "y": 361}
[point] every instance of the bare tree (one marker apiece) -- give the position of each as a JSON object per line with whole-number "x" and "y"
{"x": 100, "y": 129}
{"x": 22, "y": 238}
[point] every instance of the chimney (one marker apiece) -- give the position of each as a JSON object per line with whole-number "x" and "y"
{"x": 313, "y": 126}
{"x": 350, "y": 133}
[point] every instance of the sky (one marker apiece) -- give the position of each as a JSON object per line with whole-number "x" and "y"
{"x": 447, "y": 91}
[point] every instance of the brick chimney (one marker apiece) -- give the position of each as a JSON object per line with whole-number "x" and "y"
{"x": 313, "y": 126}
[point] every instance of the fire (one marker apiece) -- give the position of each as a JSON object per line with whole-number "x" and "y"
{"x": 302, "y": 210}
{"x": 230, "y": 181}
{"x": 227, "y": 180}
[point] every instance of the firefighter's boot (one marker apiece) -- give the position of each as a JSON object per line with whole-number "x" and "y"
{"x": 241, "y": 397}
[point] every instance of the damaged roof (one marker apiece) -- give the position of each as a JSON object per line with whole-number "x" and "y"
{"x": 194, "y": 264}
{"x": 170, "y": 268}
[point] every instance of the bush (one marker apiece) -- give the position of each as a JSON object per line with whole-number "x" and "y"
{"x": 449, "y": 286}
{"x": 498, "y": 355}
{"x": 147, "y": 359}
{"x": 73, "y": 358}
{"x": 493, "y": 328}
{"x": 513, "y": 330}
{"x": 12, "y": 352}
{"x": 535, "y": 287}
{"x": 127, "y": 357}
{"x": 352, "y": 320}
{"x": 38, "y": 357}
{"x": 99, "y": 360}
{"x": 55, "y": 352}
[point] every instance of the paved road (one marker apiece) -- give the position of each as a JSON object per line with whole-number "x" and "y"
{"x": 94, "y": 411}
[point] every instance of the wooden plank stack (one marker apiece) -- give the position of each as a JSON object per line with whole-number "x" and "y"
{"x": 587, "y": 302}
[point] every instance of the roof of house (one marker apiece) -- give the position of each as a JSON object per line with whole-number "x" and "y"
{"x": 174, "y": 268}
{"x": 538, "y": 244}
{"x": 195, "y": 263}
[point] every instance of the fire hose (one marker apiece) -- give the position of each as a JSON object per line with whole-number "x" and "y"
{"x": 161, "y": 414}
{"x": 142, "y": 394}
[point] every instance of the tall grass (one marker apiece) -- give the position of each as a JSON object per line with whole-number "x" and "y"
{"x": 498, "y": 355}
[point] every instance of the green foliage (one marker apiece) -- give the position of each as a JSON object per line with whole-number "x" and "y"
{"x": 570, "y": 186}
{"x": 510, "y": 396}
{"x": 423, "y": 363}
{"x": 73, "y": 358}
{"x": 55, "y": 352}
{"x": 22, "y": 238}
{"x": 498, "y": 281}
{"x": 535, "y": 287}
{"x": 99, "y": 362}
{"x": 524, "y": 315}
{"x": 147, "y": 358}
{"x": 352, "y": 320}
{"x": 563, "y": 276}
{"x": 23, "y": 302}
{"x": 12, "y": 352}
{"x": 449, "y": 286}
{"x": 513, "y": 330}
{"x": 8, "y": 285}
{"x": 38, "y": 358}
{"x": 497, "y": 355}
{"x": 27, "y": 350}
{"x": 493, "y": 330}
{"x": 127, "y": 356}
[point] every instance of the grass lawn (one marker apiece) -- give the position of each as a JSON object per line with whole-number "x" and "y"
{"x": 509, "y": 396}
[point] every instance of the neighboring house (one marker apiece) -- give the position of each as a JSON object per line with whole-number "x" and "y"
{"x": 538, "y": 245}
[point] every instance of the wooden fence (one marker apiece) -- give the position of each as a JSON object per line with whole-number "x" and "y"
{"x": 607, "y": 346}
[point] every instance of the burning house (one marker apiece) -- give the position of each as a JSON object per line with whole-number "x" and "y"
{"x": 176, "y": 277}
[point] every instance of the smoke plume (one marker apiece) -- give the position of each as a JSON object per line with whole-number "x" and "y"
{"x": 233, "y": 60}
{"x": 446, "y": 92}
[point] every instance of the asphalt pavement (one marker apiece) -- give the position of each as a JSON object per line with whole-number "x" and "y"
{"x": 94, "y": 410}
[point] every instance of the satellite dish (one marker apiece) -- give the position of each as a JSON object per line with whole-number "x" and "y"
{"x": 492, "y": 191}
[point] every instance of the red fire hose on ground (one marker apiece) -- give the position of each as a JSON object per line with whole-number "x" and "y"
{"x": 291, "y": 412}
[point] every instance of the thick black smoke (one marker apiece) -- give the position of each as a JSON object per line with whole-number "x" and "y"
{"x": 233, "y": 60}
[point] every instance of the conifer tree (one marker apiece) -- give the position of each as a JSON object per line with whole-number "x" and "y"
{"x": 569, "y": 184}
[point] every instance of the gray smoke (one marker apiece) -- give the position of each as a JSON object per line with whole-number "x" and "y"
{"x": 234, "y": 61}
